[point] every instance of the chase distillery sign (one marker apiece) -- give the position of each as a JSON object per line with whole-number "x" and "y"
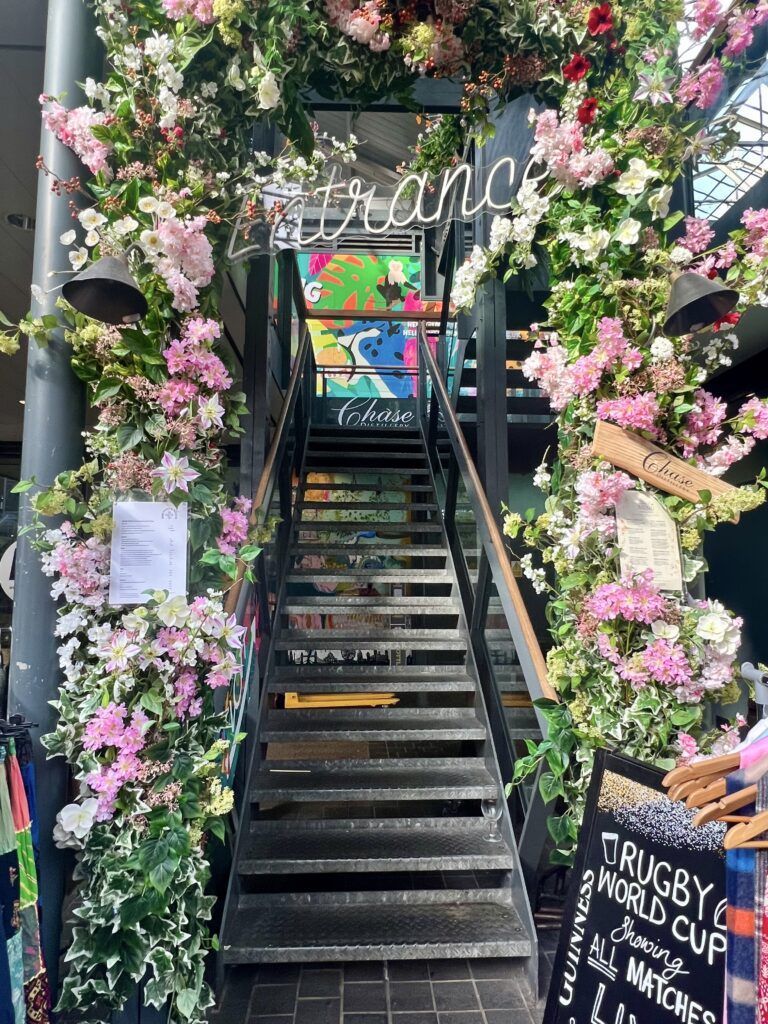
{"x": 644, "y": 934}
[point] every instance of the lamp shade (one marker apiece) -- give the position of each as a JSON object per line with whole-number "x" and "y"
{"x": 106, "y": 291}
{"x": 696, "y": 301}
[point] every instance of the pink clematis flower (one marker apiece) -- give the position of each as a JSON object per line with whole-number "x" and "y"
{"x": 175, "y": 473}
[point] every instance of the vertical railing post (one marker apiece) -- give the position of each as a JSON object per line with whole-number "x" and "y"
{"x": 54, "y": 414}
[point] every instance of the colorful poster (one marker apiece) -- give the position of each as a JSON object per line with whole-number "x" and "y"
{"x": 364, "y": 358}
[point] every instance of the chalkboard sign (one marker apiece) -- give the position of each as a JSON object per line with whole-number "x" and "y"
{"x": 643, "y": 937}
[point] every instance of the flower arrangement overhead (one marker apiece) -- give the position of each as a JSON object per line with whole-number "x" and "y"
{"x": 166, "y": 141}
{"x": 634, "y": 665}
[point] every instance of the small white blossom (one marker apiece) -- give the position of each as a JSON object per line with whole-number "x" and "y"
{"x": 661, "y": 349}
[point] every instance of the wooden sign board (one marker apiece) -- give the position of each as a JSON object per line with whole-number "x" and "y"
{"x": 648, "y": 462}
{"x": 644, "y": 934}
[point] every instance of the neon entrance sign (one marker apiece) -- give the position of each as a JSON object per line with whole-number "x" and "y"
{"x": 351, "y": 206}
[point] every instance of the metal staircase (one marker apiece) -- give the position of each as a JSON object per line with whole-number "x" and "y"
{"x": 371, "y": 818}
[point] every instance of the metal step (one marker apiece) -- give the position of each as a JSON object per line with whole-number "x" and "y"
{"x": 358, "y": 550}
{"x": 339, "y": 603}
{"x": 333, "y": 467}
{"x": 370, "y": 575}
{"x": 363, "y": 526}
{"x": 384, "y": 441}
{"x": 313, "y": 485}
{"x": 268, "y": 929}
{"x": 370, "y": 506}
{"x": 377, "y": 684}
{"x": 389, "y": 844}
{"x": 458, "y": 778}
{"x": 450, "y": 724}
{"x": 380, "y": 639}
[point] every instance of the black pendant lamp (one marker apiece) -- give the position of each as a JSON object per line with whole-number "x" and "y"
{"x": 106, "y": 291}
{"x": 695, "y": 302}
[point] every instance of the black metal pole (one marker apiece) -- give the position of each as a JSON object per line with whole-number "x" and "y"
{"x": 53, "y": 421}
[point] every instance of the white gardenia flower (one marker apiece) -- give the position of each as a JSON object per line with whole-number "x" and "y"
{"x": 665, "y": 630}
{"x": 592, "y": 242}
{"x": 78, "y": 258}
{"x": 165, "y": 210}
{"x": 151, "y": 241}
{"x": 91, "y": 218}
{"x": 713, "y": 627}
{"x": 661, "y": 349}
{"x": 174, "y": 611}
{"x": 148, "y": 204}
{"x": 658, "y": 202}
{"x": 125, "y": 225}
{"x": 628, "y": 232}
{"x": 268, "y": 92}
{"x": 635, "y": 179}
{"x": 78, "y": 818}
{"x": 68, "y": 237}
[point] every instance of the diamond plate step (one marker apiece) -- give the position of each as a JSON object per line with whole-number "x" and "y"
{"x": 370, "y": 575}
{"x": 371, "y": 724}
{"x": 363, "y": 526}
{"x": 377, "y": 684}
{"x": 369, "y": 506}
{"x": 338, "y": 603}
{"x": 265, "y": 930}
{"x": 358, "y": 550}
{"x": 381, "y": 639}
{"x": 372, "y": 780}
{"x": 396, "y": 844}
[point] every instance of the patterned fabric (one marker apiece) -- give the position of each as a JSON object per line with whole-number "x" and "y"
{"x": 9, "y": 898}
{"x": 740, "y": 981}
{"x": 35, "y": 977}
{"x": 761, "y": 912}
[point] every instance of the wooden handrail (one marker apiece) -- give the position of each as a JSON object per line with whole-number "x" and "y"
{"x": 496, "y": 540}
{"x": 263, "y": 494}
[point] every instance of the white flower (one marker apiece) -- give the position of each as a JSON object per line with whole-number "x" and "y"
{"x": 148, "y": 204}
{"x": 92, "y": 238}
{"x": 658, "y": 202}
{"x": 234, "y": 76}
{"x": 523, "y": 229}
{"x": 680, "y": 255}
{"x": 164, "y": 210}
{"x": 665, "y": 630}
{"x": 628, "y": 232}
{"x": 91, "y": 218}
{"x": 78, "y": 257}
{"x": 635, "y": 179}
{"x": 530, "y": 261}
{"x": 208, "y": 90}
{"x": 68, "y": 237}
{"x": 78, "y": 818}
{"x": 501, "y": 232}
{"x": 713, "y": 627}
{"x": 174, "y": 611}
{"x": 136, "y": 622}
{"x": 395, "y": 272}
{"x": 158, "y": 47}
{"x": 125, "y": 225}
{"x": 210, "y": 411}
{"x": 268, "y": 92}
{"x": 96, "y": 91}
{"x": 173, "y": 79}
{"x": 661, "y": 349}
{"x": 591, "y": 242}
{"x": 542, "y": 477}
{"x": 151, "y": 241}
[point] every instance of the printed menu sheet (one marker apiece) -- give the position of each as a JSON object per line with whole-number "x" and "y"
{"x": 647, "y": 537}
{"x": 149, "y": 550}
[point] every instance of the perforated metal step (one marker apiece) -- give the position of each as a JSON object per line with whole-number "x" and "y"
{"x": 371, "y": 724}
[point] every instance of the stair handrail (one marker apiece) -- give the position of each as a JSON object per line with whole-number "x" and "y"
{"x": 513, "y": 605}
{"x": 262, "y": 497}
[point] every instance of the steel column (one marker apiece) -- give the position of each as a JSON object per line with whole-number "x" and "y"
{"x": 54, "y": 415}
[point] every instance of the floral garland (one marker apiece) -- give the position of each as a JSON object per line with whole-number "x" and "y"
{"x": 634, "y": 666}
{"x": 166, "y": 140}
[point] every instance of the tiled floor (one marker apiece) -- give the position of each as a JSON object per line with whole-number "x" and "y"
{"x": 392, "y": 992}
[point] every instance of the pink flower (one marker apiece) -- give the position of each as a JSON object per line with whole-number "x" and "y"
{"x": 728, "y": 454}
{"x": 741, "y": 32}
{"x": 754, "y": 415}
{"x": 689, "y": 748}
{"x": 666, "y": 662}
{"x": 106, "y": 728}
{"x": 74, "y": 129}
{"x": 562, "y": 148}
{"x": 234, "y": 528}
{"x": 118, "y": 650}
{"x": 702, "y": 424}
{"x": 706, "y": 14}
{"x": 202, "y": 10}
{"x": 698, "y": 234}
{"x": 187, "y": 703}
{"x": 635, "y": 600}
{"x": 638, "y": 412}
{"x": 597, "y": 493}
{"x": 548, "y": 367}
{"x": 175, "y": 473}
{"x": 703, "y": 86}
{"x": 756, "y": 223}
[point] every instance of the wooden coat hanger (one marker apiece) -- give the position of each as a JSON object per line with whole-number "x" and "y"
{"x": 684, "y": 789}
{"x": 741, "y": 836}
{"x": 721, "y": 765}
{"x": 723, "y": 810}
{"x": 708, "y": 791}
